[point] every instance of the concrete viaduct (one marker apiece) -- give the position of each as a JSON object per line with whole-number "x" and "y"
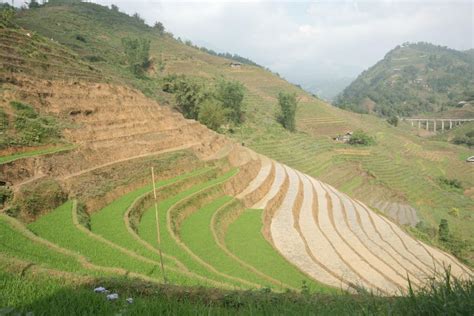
{"x": 436, "y": 123}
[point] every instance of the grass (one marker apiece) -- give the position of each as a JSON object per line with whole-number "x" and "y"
{"x": 245, "y": 240}
{"x": 147, "y": 229}
{"x": 34, "y": 153}
{"x": 196, "y": 233}
{"x": 15, "y": 244}
{"x": 48, "y": 295}
{"x": 58, "y": 227}
{"x": 109, "y": 222}
{"x": 403, "y": 165}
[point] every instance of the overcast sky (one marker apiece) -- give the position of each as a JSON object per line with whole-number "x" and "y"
{"x": 309, "y": 40}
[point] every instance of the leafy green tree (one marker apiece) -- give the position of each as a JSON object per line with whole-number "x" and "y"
{"x": 114, "y": 8}
{"x": 159, "y": 27}
{"x": 137, "y": 52}
{"x": 443, "y": 230}
{"x": 231, "y": 96}
{"x": 7, "y": 13}
{"x": 33, "y": 4}
{"x": 359, "y": 137}
{"x": 212, "y": 114}
{"x": 393, "y": 120}
{"x": 190, "y": 94}
{"x": 288, "y": 106}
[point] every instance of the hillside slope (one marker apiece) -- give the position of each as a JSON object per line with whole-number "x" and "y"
{"x": 399, "y": 173}
{"x": 412, "y": 79}
{"x": 101, "y": 216}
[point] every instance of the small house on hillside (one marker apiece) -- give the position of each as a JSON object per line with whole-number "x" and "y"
{"x": 235, "y": 64}
{"x": 343, "y": 138}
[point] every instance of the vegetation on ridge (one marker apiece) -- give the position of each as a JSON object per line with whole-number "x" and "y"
{"x": 411, "y": 79}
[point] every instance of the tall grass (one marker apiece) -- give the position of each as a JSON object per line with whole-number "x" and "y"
{"x": 46, "y": 295}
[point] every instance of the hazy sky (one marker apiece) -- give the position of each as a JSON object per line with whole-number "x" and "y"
{"x": 307, "y": 40}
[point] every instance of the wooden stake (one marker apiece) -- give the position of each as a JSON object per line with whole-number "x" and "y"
{"x": 157, "y": 224}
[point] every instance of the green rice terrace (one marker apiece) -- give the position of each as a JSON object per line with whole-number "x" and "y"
{"x": 244, "y": 216}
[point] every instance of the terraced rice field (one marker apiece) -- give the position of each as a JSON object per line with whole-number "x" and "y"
{"x": 282, "y": 229}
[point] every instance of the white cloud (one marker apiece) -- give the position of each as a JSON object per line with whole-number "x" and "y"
{"x": 304, "y": 40}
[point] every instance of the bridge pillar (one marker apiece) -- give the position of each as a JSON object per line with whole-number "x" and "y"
{"x": 450, "y": 124}
{"x": 412, "y": 123}
{"x": 434, "y": 126}
{"x": 419, "y": 124}
{"x": 427, "y": 125}
{"x": 442, "y": 125}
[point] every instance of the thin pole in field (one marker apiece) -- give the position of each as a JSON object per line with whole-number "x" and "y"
{"x": 157, "y": 224}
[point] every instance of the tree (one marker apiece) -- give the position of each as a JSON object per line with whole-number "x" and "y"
{"x": 114, "y": 8}
{"x": 212, "y": 114}
{"x": 159, "y": 27}
{"x": 190, "y": 94}
{"x": 288, "y": 106}
{"x": 361, "y": 138}
{"x": 393, "y": 120}
{"x": 7, "y": 13}
{"x": 33, "y": 4}
{"x": 231, "y": 96}
{"x": 443, "y": 230}
{"x": 137, "y": 52}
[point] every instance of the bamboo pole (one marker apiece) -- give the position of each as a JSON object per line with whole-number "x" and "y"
{"x": 158, "y": 238}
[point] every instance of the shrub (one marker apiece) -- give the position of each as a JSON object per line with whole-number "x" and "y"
{"x": 159, "y": 27}
{"x": 81, "y": 38}
{"x": 443, "y": 230}
{"x": 24, "y": 110}
{"x": 212, "y": 114}
{"x": 189, "y": 96}
{"x": 3, "y": 120}
{"x": 7, "y": 13}
{"x": 361, "y": 138}
{"x": 452, "y": 183}
{"x": 454, "y": 212}
{"x": 393, "y": 120}
{"x": 5, "y": 195}
{"x": 288, "y": 106}
{"x": 137, "y": 52}
{"x": 38, "y": 197}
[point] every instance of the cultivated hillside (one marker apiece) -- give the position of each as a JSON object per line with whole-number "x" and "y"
{"x": 413, "y": 79}
{"x": 81, "y": 202}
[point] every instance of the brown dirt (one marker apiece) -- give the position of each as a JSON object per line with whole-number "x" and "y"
{"x": 272, "y": 207}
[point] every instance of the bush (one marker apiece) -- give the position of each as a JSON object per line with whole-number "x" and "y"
{"x": 212, "y": 114}
{"x": 137, "y": 52}
{"x": 24, "y": 110}
{"x": 189, "y": 95}
{"x": 288, "y": 106}
{"x": 159, "y": 27}
{"x": 393, "y": 120}
{"x": 453, "y": 183}
{"x": 361, "y": 138}
{"x": 443, "y": 230}
{"x": 454, "y": 212}
{"x": 38, "y": 197}
{"x": 5, "y": 195}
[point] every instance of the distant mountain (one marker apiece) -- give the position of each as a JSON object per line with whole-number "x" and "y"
{"x": 328, "y": 89}
{"x": 412, "y": 79}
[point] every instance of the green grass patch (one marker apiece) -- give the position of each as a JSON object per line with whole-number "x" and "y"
{"x": 15, "y": 244}
{"x": 109, "y": 221}
{"x": 37, "y": 152}
{"x": 58, "y": 227}
{"x": 147, "y": 228}
{"x": 45, "y": 295}
{"x": 245, "y": 240}
{"x": 197, "y": 235}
